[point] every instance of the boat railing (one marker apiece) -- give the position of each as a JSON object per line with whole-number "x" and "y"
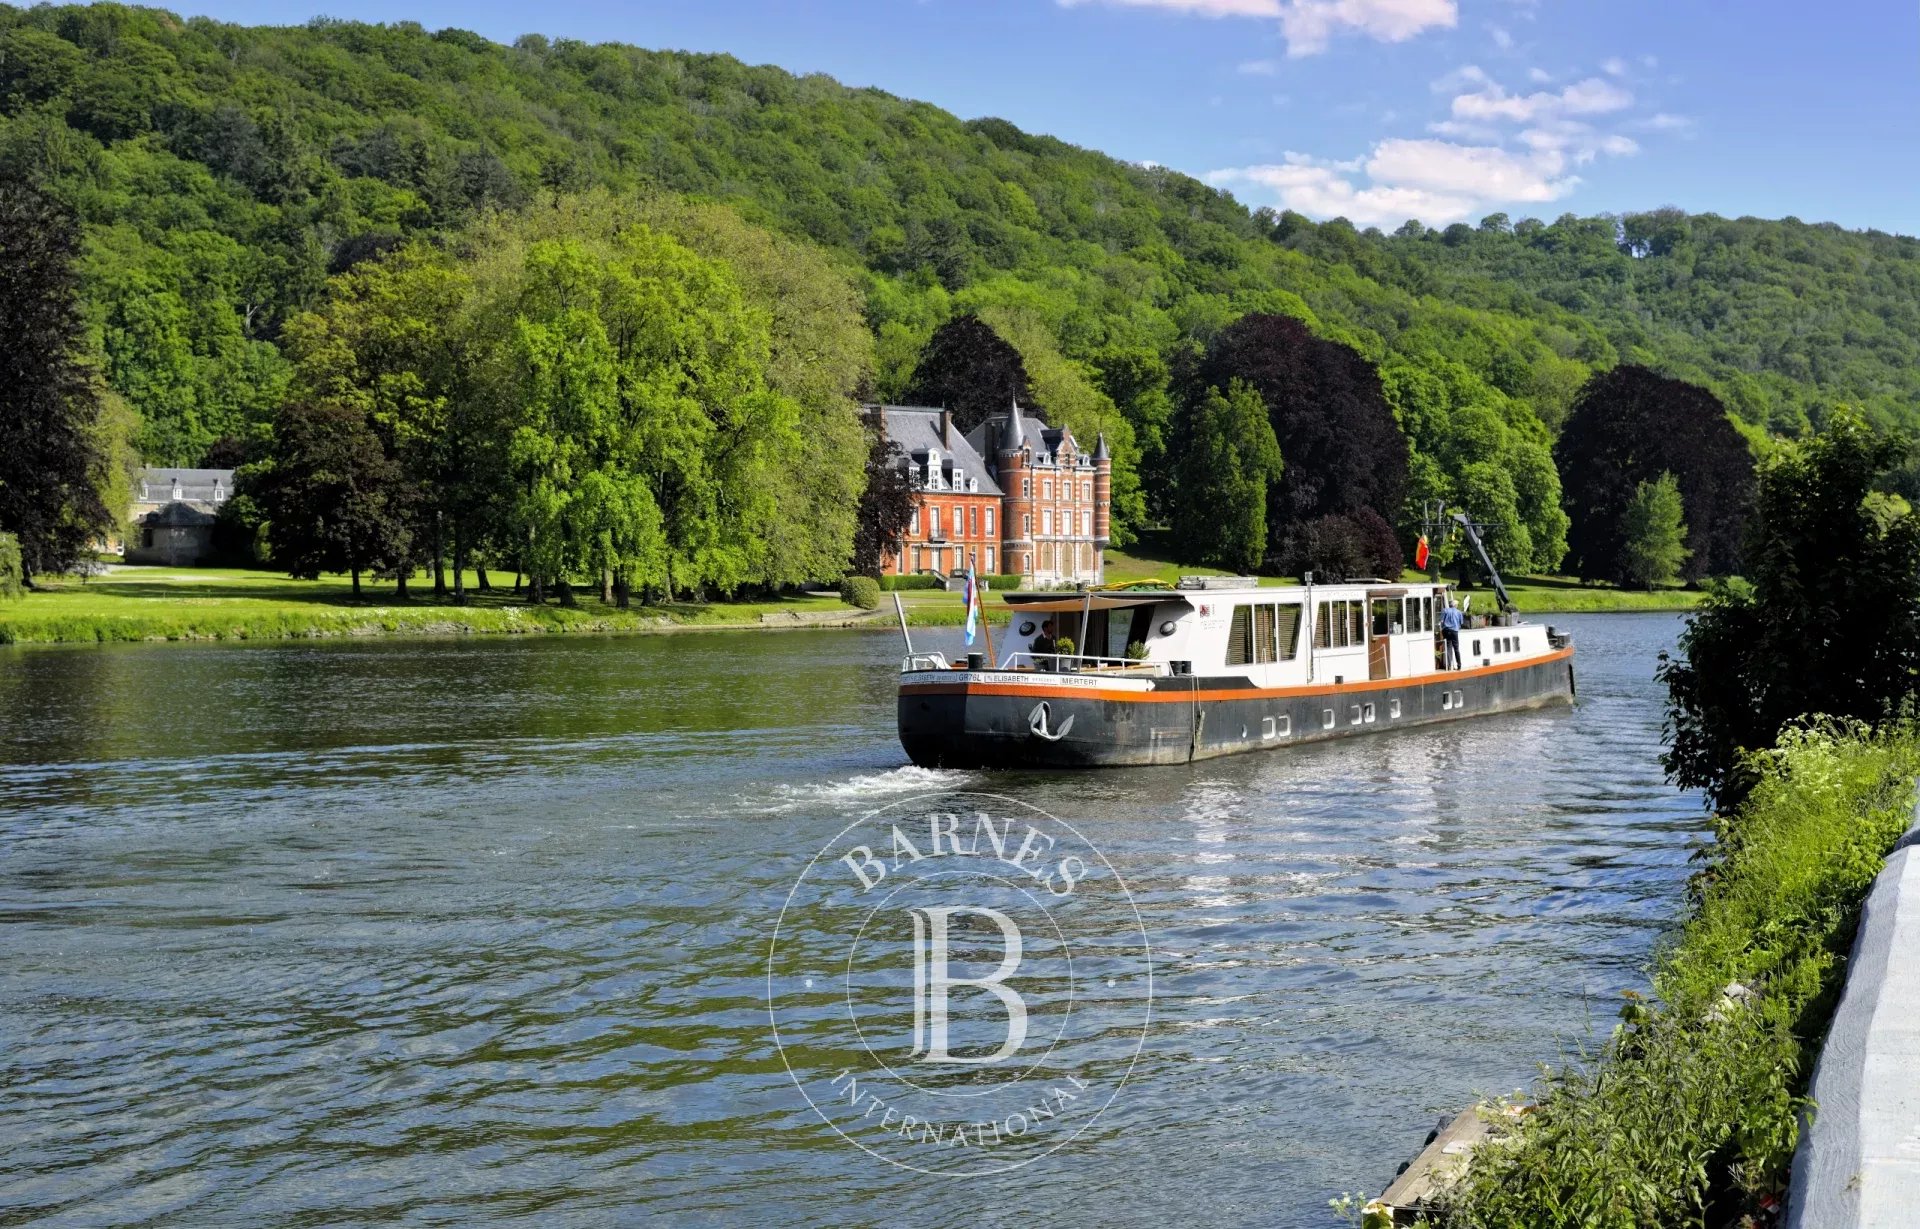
{"x": 1075, "y": 663}
{"x": 923, "y": 661}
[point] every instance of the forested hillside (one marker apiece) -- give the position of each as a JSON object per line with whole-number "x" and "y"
{"x": 225, "y": 172}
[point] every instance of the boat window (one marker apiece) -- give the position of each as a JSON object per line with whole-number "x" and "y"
{"x": 1322, "y": 628}
{"x": 1263, "y": 633}
{"x": 1386, "y": 612}
{"x": 1240, "y": 637}
{"x": 1289, "y": 630}
{"x": 1356, "y": 622}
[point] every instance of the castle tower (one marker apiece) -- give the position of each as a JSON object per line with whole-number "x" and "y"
{"x": 1016, "y": 498}
{"x": 1102, "y": 498}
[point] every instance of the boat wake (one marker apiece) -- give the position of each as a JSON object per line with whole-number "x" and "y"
{"x": 874, "y": 786}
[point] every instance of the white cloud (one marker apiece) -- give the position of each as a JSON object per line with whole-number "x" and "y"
{"x": 1615, "y": 66}
{"x": 1593, "y": 96}
{"x": 1325, "y": 192}
{"x": 1667, "y": 122}
{"x": 1476, "y": 171}
{"x": 1310, "y": 25}
{"x": 1502, "y": 37}
{"x": 1258, "y": 68}
{"x": 1494, "y": 149}
{"x": 1539, "y": 76}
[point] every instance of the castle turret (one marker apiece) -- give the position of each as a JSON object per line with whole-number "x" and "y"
{"x": 1016, "y": 497}
{"x": 1102, "y": 492}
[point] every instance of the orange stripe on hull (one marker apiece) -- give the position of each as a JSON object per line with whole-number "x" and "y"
{"x": 1173, "y": 695}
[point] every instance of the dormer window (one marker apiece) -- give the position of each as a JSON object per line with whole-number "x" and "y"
{"x": 145, "y": 493}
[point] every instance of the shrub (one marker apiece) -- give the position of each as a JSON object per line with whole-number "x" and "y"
{"x": 11, "y": 584}
{"x": 1694, "y": 1103}
{"x": 914, "y": 580}
{"x": 1137, "y": 651}
{"x": 1002, "y": 582}
{"x": 860, "y": 591}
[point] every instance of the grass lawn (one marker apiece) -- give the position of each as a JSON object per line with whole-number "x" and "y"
{"x": 153, "y": 603}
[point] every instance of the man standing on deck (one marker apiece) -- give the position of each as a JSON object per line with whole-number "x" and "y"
{"x": 1450, "y": 622}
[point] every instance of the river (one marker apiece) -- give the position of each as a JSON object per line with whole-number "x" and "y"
{"x": 471, "y": 931}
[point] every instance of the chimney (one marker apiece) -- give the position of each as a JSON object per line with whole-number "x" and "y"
{"x": 946, "y": 428}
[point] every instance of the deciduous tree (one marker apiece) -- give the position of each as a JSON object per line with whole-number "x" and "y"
{"x": 1630, "y": 425}
{"x": 54, "y": 459}
{"x": 968, "y": 368}
{"x": 1827, "y": 621}
{"x": 1654, "y": 533}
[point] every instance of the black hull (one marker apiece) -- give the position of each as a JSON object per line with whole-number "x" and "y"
{"x": 966, "y": 723}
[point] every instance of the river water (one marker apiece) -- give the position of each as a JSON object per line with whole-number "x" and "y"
{"x": 475, "y": 931}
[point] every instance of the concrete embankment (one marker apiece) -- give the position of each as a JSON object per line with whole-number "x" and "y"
{"x": 1858, "y": 1165}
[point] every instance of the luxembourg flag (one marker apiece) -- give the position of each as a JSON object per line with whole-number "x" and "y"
{"x": 973, "y": 605}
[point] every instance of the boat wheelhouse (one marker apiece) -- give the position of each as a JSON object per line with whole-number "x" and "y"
{"x": 1214, "y": 667}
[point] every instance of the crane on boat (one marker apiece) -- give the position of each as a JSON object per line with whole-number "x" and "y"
{"x": 1437, "y": 516}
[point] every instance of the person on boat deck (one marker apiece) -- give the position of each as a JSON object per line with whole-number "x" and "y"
{"x": 1045, "y": 643}
{"x": 1450, "y": 622}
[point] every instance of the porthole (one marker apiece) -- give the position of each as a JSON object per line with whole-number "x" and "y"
{"x": 1459, "y": 699}
{"x": 1326, "y": 719}
{"x": 1393, "y": 709}
{"x": 1446, "y": 700}
{"x": 1166, "y": 627}
{"x": 1026, "y": 628}
{"x": 1353, "y": 715}
{"x": 1369, "y": 715}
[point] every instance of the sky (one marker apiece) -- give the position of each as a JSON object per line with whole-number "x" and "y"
{"x": 1378, "y": 110}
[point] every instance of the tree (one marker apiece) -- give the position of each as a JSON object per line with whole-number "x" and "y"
{"x": 1230, "y": 464}
{"x": 1628, "y": 426}
{"x": 968, "y": 368}
{"x": 1653, "y": 533}
{"x": 54, "y": 462}
{"x": 1827, "y": 622}
{"x": 392, "y": 341}
{"x": 333, "y": 497}
{"x": 1344, "y": 451}
{"x": 886, "y": 504}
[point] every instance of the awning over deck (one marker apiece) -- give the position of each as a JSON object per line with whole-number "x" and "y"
{"x": 1073, "y": 603}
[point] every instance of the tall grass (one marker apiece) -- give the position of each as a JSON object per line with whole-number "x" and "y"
{"x": 1689, "y": 1115}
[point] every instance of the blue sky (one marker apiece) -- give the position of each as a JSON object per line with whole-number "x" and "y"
{"x": 1376, "y": 109}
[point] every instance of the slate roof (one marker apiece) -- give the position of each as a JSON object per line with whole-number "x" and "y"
{"x": 196, "y": 485}
{"x": 917, "y": 430}
{"x": 986, "y": 437}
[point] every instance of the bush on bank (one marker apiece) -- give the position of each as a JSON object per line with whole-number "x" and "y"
{"x": 1689, "y": 1115}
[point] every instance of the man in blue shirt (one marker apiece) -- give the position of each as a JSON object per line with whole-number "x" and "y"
{"x": 1450, "y": 622}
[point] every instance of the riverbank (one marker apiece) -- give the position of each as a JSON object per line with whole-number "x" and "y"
{"x": 156, "y": 604}
{"x": 133, "y": 604}
{"x": 1691, "y": 1111}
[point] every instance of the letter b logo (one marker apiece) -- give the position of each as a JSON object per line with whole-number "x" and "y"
{"x": 932, "y": 982}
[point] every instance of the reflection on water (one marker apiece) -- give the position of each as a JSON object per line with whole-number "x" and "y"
{"x": 476, "y": 930}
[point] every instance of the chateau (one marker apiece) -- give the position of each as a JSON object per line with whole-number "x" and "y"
{"x": 1013, "y": 495}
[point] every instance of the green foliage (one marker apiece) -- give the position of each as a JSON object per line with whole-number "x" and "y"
{"x": 58, "y": 450}
{"x": 1654, "y": 533}
{"x": 860, "y": 591}
{"x": 12, "y": 580}
{"x": 1630, "y": 425}
{"x": 1228, "y": 467}
{"x": 1828, "y": 621}
{"x": 223, "y": 173}
{"x": 1694, "y": 1103}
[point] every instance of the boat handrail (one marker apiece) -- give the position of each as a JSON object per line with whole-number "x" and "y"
{"x": 1052, "y": 663}
{"x": 923, "y": 661}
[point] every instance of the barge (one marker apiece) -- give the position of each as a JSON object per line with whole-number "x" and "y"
{"x": 1217, "y": 666}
